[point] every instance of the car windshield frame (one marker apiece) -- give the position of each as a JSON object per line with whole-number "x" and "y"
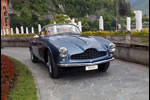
{"x": 56, "y": 29}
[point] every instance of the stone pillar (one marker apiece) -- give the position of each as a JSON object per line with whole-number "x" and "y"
{"x": 22, "y": 30}
{"x": 39, "y": 28}
{"x": 80, "y": 25}
{"x": 17, "y": 30}
{"x": 12, "y": 31}
{"x": 32, "y": 30}
{"x": 75, "y": 24}
{"x": 73, "y": 21}
{"x": 101, "y": 23}
{"x": 4, "y": 32}
{"x": 27, "y": 30}
{"x": 7, "y": 31}
{"x": 55, "y": 28}
{"x": 138, "y": 20}
{"x": 128, "y": 23}
{"x": 119, "y": 26}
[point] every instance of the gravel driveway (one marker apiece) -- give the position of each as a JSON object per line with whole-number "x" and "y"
{"x": 122, "y": 81}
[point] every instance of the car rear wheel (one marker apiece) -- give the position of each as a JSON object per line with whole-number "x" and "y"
{"x": 34, "y": 59}
{"x": 52, "y": 68}
{"x": 103, "y": 67}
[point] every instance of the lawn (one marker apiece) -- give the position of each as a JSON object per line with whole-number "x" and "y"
{"x": 24, "y": 88}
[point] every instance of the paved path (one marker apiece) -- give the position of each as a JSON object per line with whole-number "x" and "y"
{"x": 122, "y": 81}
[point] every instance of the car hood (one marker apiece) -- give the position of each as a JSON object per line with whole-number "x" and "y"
{"x": 76, "y": 43}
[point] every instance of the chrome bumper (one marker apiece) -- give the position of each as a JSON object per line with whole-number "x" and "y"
{"x": 85, "y": 64}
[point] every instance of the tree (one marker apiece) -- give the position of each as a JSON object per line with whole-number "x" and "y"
{"x": 61, "y": 18}
{"x": 26, "y": 16}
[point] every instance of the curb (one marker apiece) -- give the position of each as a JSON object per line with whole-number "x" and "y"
{"x": 38, "y": 90}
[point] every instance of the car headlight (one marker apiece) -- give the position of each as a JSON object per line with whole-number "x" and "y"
{"x": 63, "y": 52}
{"x": 112, "y": 47}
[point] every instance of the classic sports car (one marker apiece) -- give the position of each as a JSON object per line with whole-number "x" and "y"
{"x": 62, "y": 45}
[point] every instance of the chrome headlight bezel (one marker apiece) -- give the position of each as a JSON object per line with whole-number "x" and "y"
{"x": 112, "y": 47}
{"x": 63, "y": 52}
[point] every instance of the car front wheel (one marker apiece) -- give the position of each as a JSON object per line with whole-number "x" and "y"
{"x": 52, "y": 68}
{"x": 103, "y": 67}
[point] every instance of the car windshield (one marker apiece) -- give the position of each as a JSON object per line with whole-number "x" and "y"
{"x": 61, "y": 28}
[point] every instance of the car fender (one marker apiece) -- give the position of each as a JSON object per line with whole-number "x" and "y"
{"x": 51, "y": 54}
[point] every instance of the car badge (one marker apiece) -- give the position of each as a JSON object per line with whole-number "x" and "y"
{"x": 91, "y": 61}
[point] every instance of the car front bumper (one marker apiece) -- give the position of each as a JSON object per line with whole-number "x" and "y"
{"x": 85, "y": 64}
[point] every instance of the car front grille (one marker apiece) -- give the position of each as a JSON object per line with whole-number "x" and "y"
{"x": 89, "y": 54}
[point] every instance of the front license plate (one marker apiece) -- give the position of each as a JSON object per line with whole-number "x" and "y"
{"x": 93, "y": 67}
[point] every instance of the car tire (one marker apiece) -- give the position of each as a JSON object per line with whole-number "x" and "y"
{"x": 103, "y": 67}
{"x": 52, "y": 67}
{"x": 34, "y": 59}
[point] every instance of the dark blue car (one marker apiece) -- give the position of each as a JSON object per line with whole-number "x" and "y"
{"x": 62, "y": 45}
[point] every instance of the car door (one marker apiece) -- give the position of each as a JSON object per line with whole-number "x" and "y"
{"x": 34, "y": 44}
{"x": 41, "y": 46}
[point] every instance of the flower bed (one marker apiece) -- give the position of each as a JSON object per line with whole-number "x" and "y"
{"x": 142, "y": 32}
{"x": 99, "y": 32}
{"x": 8, "y": 74}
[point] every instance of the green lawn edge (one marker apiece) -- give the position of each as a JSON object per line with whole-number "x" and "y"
{"x": 24, "y": 88}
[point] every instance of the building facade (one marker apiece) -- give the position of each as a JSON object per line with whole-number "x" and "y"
{"x": 5, "y": 23}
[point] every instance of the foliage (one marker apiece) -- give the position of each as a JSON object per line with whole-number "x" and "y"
{"x": 43, "y": 8}
{"x": 26, "y": 16}
{"x": 61, "y": 18}
{"x": 106, "y": 32}
{"x": 142, "y": 32}
{"x": 124, "y": 8}
{"x": 80, "y": 8}
{"x": 88, "y": 25}
{"x": 28, "y": 13}
{"x": 17, "y": 4}
{"x": 16, "y": 81}
{"x": 24, "y": 88}
{"x": 31, "y": 12}
{"x": 145, "y": 18}
{"x": 8, "y": 74}
{"x": 109, "y": 21}
{"x": 99, "y": 32}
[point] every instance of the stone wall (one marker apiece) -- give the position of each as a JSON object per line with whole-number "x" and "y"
{"x": 133, "y": 53}
{"x": 127, "y": 39}
{"x": 15, "y": 41}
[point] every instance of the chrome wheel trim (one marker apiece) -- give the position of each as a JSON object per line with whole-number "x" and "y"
{"x": 49, "y": 65}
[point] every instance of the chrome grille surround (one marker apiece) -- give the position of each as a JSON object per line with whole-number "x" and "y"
{"x": 88, "y": 54}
